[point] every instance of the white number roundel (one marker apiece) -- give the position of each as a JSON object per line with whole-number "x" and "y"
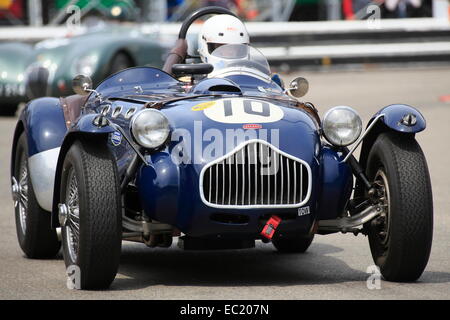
{"x": 239, "y": 110}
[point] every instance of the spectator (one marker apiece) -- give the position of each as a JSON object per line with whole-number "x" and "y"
{"x": 407, "y": 8}
{"x": 305, "y": 10}
{"x": 172, "y": 5}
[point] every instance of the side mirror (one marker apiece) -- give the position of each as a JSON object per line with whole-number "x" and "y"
{"x": 299, "y": 87}
{"x": 82, "y": 85}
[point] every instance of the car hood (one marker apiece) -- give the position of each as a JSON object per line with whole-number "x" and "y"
{"x": 208, "y": 129}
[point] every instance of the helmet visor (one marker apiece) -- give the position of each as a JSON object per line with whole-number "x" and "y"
{"x": 239, "y": 56}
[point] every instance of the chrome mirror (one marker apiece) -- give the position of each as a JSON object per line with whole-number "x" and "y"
{"x": 299, "y": 87}
{"x": 82, "y": 85}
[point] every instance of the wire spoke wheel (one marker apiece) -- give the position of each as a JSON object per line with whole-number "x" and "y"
{"x": 90, "y": 213}
{"x": 381, "y": 225}
{"x": 33, "y": 224}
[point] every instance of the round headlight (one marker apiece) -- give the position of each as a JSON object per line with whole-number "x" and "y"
{"x": 150, "y": 128}
{"x": 342, "y": 126}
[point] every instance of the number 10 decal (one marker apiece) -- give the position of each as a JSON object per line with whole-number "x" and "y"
{"x": 239, "y": 110}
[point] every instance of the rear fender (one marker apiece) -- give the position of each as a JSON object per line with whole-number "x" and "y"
{"x": 86, "y": 131}
{"x": 43, "y": 122}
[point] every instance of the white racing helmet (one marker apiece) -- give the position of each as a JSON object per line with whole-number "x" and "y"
{"x": 219, "y": 30}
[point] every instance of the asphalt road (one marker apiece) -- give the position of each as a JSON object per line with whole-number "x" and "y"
{"x": 334, "y": 267}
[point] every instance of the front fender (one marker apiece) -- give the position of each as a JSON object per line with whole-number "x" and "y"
{"x": 391, "y": 120}
{"x": 83, "y": 130}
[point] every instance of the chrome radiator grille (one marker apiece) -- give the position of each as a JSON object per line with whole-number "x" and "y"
{"x": 256, "y": 175}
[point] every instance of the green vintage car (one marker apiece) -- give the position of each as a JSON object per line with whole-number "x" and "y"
{"x": 99, "y": 53}
{"x": 14, "y": 59}
{"x": 50, "y": 65}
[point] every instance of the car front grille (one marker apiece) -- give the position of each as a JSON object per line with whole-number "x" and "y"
{"x": 256, "y": 175}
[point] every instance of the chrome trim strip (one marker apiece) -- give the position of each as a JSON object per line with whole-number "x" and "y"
{"x": 237, "y": 179}
{"x": 255, "y": 147}
{"x": 268, "y": 176}
{"x": 249, "y": 177}
{"x": 358, "y": 142}
{"x": 229, "y": 185}
{"x": 243, "y": 175}
{"x": 223, "y": 182}
{"x": 234, "y": 152}
{"x": 282, "y": 179}
{"x": 295, "y": 183}
{"x": 276, "y": 182}
{"x": 42, "y": 172}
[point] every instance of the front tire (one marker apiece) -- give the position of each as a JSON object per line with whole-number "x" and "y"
{"x": 36, "y": 237}
{"x": 91, "y": 222}
{"x": 400, "y": 240}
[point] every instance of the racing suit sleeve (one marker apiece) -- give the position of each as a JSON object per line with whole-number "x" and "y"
{"x": 176, "y": 55}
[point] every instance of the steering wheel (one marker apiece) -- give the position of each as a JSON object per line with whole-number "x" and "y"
{"x": 198, "y": 14}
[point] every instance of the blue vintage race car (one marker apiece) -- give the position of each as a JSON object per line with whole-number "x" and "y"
{"x": 221, "y": 158}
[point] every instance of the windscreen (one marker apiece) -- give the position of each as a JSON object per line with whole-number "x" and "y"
{"x": 239, "y": 56}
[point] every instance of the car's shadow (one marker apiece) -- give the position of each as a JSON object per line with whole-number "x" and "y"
{"x": 141, "y": 267}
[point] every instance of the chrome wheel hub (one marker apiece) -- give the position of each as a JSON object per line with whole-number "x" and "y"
{"x": 382, "y": 222}
{"x": 20, "y": 193}
{"x": 15, "y": 191}
{"x": 69, "y": 214}
{"x": 62, "y": 214}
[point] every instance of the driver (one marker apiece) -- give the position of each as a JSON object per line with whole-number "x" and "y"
{"x": 216, "y": 31}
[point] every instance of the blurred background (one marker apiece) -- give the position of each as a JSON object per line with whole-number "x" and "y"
{"x": 360, "y": 53}
{"x": 52, "y": 41}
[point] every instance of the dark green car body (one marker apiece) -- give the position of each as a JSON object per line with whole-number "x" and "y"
{"x": 14, "y": 59}
{"x": 98, "y": 53}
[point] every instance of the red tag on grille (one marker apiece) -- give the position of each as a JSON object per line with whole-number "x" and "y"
{"x": 270, "y": 227}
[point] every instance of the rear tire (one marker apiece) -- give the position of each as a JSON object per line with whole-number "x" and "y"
{"x": 92, "y": 233}
{"x": 36, "y": 237}
{"x": 293, "y": 245}
{"x": 400, "y": 241}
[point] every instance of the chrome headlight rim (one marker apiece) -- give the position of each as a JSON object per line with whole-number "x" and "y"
{"x": 328, "y": 135}
{"x": 137, "y": 137}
